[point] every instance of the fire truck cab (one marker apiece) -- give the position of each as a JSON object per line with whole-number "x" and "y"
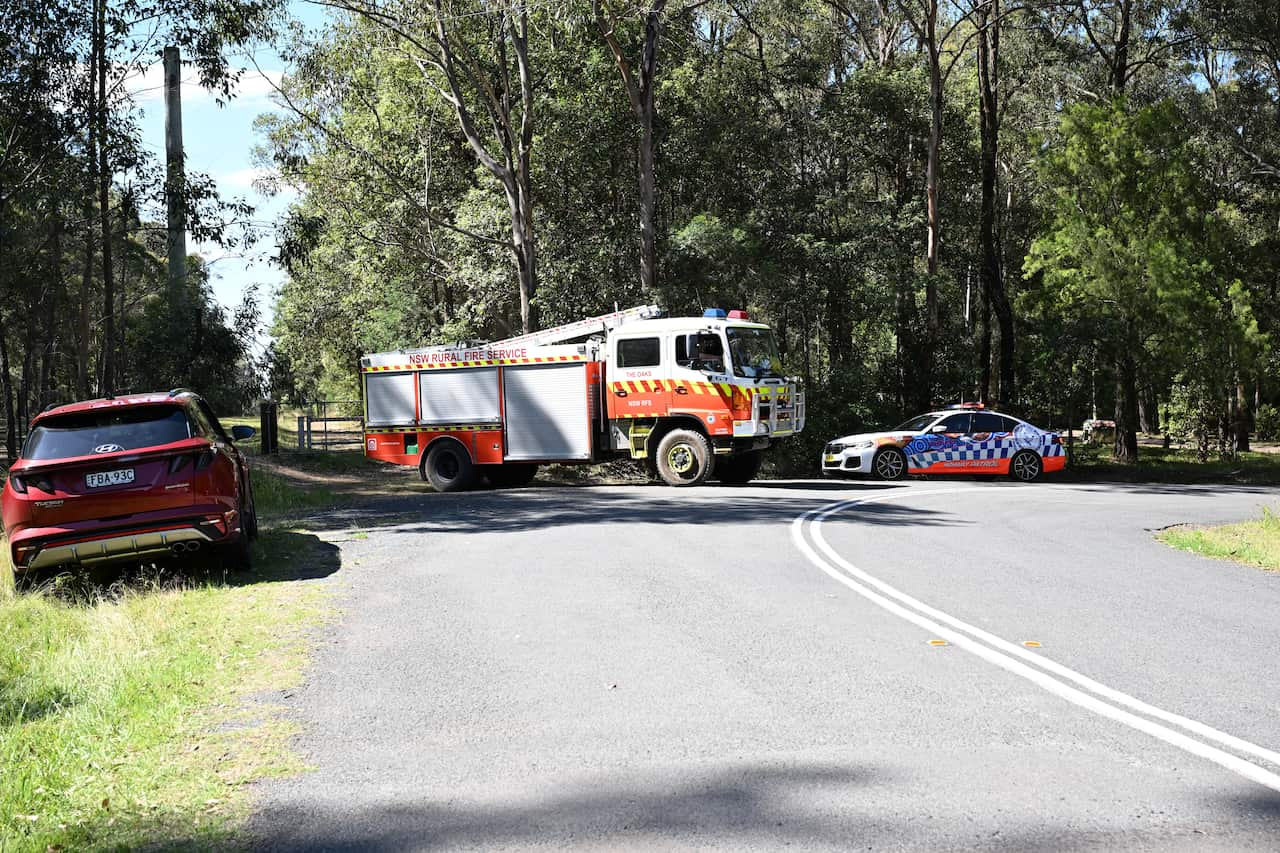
{"x": 694, "y": 398}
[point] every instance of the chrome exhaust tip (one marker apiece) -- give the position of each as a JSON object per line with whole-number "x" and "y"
{"x": 193, "y": 545}
{"x": 178, "y": 547}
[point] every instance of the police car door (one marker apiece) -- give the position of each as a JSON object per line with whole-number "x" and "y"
{"x": 940, "y": 449}
{"x": 991, "y": 443}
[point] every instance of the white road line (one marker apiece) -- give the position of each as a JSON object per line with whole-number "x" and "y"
{"x": 1194, "y": 726}
{"x": 965, "y": 636}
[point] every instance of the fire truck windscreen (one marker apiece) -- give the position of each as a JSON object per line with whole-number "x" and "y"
{"x": 754, "y": 353}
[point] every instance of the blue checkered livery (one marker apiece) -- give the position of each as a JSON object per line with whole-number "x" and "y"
{"x": 999, "y": 446}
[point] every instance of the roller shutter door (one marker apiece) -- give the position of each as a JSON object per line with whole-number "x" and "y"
{"x": 460, "y": 396}
{"x": 547, "y": 413}
{"x": 389, "y": 398}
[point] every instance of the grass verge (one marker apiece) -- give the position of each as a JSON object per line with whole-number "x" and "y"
{"x": 1254, "y": 543}
{"x": 131, "y": 715}
{"x": 1174, "y": 465}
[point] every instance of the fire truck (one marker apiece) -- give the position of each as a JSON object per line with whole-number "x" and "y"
{"x": 693, "y": 398}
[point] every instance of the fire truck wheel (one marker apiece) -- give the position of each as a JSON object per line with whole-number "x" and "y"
{"x": 511, "y": 475}
{"x": 739, "y": 470}
{"x": 448, "y": 467}
{"x": 685, "y": 458}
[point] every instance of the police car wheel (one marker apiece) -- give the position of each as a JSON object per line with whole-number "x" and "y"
{"x": 890, "y": 464}
{"x": 1026, "y": 466}
{"x": 448, "y": 467}
{"x": 684, "y": 458}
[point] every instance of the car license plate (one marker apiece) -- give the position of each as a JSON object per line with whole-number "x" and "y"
{"x": 98, "y": 479}
{"x": 831, "y": 457}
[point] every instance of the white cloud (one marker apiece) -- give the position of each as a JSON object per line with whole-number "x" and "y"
{"x": 147, "y": 85}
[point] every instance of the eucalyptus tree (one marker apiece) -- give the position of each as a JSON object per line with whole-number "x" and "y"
{"x": 476, "y": 57}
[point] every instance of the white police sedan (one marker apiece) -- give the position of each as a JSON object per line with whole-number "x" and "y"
{"x": 963, "y": 439}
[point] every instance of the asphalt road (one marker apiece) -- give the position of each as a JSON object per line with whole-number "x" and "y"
{"x": 621, "y": 668}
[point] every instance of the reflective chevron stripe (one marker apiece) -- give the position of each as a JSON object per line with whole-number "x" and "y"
{"x": 496, "y": 362}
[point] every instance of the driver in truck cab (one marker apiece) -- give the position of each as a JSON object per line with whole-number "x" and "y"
{"x": 710, "y": 353}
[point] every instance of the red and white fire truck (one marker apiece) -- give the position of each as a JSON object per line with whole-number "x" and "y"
{"x": 694, "y": 397}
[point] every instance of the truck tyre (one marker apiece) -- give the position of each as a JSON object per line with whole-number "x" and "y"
{"x": 448, "y": 467}
{"x": 685, "y": 458}
{"x": 511, "y": 475}
{"x": 739, "y": 470}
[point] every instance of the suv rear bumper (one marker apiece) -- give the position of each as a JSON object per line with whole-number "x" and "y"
{"x": 147, "y": 537}
{"x": 117, "y": 548}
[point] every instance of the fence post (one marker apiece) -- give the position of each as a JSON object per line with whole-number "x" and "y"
{"x": 302, "y": 432}
{"x": 268, "y": 429}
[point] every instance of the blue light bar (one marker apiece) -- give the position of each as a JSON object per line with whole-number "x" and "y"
{"x": 715, "y": 313}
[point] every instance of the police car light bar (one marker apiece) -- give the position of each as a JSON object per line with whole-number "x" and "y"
{"x": 967, "y": 406}
{"x": 715, "y": 313}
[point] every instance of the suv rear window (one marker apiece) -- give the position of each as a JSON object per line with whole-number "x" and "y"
{"x": 106, "y": 431}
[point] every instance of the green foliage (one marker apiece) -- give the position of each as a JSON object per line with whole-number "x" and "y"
{"x": 790, "y": 176}
{"x": 81, "y": 255}
{"x": 192, "y": 346}
{"x": 1267, "y": 421}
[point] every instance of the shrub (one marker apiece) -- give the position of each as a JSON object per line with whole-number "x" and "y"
{"x": 1267, "y": 423}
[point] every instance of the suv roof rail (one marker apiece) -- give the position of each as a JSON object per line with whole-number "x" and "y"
{"x": 176, "y": 391}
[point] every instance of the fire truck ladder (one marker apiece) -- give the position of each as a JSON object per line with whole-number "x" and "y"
{"x": 582, "y": 328}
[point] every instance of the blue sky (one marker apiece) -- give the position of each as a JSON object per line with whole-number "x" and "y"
{"x": 219, "y": 142}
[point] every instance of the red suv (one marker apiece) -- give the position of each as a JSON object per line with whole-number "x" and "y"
{"x": 128, "y": 478}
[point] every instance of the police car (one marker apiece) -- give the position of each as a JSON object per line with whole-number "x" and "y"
{"x": 962, "y": 439}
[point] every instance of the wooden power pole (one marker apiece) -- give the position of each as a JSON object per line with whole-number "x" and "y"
{"x": 175, "y": 179}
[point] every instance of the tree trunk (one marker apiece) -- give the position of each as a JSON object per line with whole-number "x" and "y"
{"x": 648, "y": 204}
{"x": 6, "y": 389}
{"x": 1120, "y": 66}
{"x": 984, "y": 350}
{"x": 933, "y": 237}
{"x": 988, "y": 133}
{"x": 1126, "y": 408}
{"x": 839, "y": 327}
{"x": 1242, "y": 415}
{"x": 513, "y": 169}
{"x": 1148, "y": 413}
{"x": 640, "y": 87}
{"x": 104, "y": 207}
{"x": 54, "y": 302}
{"x": 82, "y": 389}
{"x": 526, "y": 247}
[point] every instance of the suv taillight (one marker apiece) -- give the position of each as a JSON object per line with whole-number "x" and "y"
{"x": 21, "y": 483}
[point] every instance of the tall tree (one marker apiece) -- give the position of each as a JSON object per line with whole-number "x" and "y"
{"x": 639, "y": 81}
{"x": 1125, "y": 247}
